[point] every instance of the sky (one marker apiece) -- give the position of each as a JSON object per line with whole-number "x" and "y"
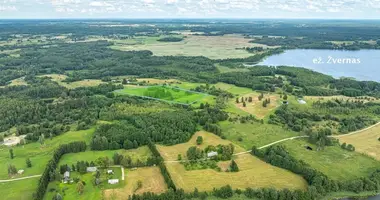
{"x": 279, "y": 9}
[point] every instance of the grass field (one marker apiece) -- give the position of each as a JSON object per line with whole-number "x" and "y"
{"x": 151, "y": 178}
{"x": 141, "y": 153}
{"x": 171, "y": 152}
{"x": 253, "y": 172}
{"x": 341, "y": 97}
{"x": 224, "y": 69}
{"x": 164, "y": 93}
{"x": 256, "y": 107}
{"x": 91, "y": 191}
{"x": 366, "y": 142}
{"x": 19, "y": 190}
{"x": 214, "y": 47}
{"x": 254, "y": 134}
{"x": 336, "y": 163}
{"x": 39, "y": 156}
{"x": 83, "y": 83}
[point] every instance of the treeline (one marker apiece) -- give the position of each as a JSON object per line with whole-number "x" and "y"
{"x": 50, "y": 168}
{"x": 170, "y": 39}
{"x": 319, "y": 184}
{"x": 313, "y": 43}
{"x": 164, "y": 171}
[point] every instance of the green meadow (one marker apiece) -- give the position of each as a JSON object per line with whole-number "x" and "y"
{"x": 169, "y": 94}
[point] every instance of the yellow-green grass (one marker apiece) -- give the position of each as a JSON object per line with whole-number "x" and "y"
{"x": 253, "y": 173}
{"x": 233, "y": 89}
{"x": 366, "y": 142}
{"x": 333, "y": 161}
{"x": 256, "y": 107}
{"x": 141, "y": 153}
{"x": 16, "y": 82}
{"x": 39, "y": 155}
{"x": 171, "y": 152}
{"x": 224, "y": 69}
{"x": 19, "y": 190}
{"x": 254, "y": 134}
{"x": 157, "y": 81}
{"x": 168, "y": 94}
{"x": 214, "y": 47}
{"x": 90, "y": 190}
{"x": 342, "y": 98}
{"x": 59, "y": 78}
{"x": 150, "y": 177}
{"x": 343, "y": 195}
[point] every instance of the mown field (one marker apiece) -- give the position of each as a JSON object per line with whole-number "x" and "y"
{"x": 333, "y": 161}
{"x": 253, "y": 172}
{"x": 141, "y": 153}
{"x": 171, "y": 152}
{"x": 150, "y": 177}
{"x": 254, "y": 134}
{"x": 169, "y": 94}
{"x": 256, "y": 107}
{"x": 39, "y": 155}
{"x": 59, "y": 78}
{"x": 214, "y": 47}
{"x": 366, "y": 142}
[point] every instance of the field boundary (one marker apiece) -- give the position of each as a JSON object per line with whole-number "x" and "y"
{"x": 168, "y": 101}
{"x": 280, "y": 141}
{"x": 18, "y": 179}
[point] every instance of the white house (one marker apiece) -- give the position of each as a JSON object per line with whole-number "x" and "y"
{"x": 212, "y": 154}
{"x": 110, "y": 171}
{"x": 92, "y": 169}
{"x": 66, "y": 174}
{"x": 113, "y": 181}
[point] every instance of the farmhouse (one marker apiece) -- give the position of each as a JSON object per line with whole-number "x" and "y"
{"x": 92, "y": 169}
{"x": 113, "y": 181}
{"x": 212, "y": 154}
{"x": 66, "y": 177}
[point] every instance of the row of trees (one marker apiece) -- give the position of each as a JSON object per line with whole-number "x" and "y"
{"x": 50, "y": 168}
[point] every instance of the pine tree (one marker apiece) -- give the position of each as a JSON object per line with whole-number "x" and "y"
{"x": 28, "y": 163}
{"x": 234, "y": 167}
{"x": 244, "y": 104}
{"x": 11, "y": 155}
{"x": 237, "y": 99}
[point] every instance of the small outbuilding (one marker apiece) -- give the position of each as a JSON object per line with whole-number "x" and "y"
{"x": 301, "y": 101}
{"x": 91, "y": 169}
{"x": 110, "y": 171}
{"x": 113, "y": 181}
{"x": 212, "y": 154}
{"x": 21, "y": 171}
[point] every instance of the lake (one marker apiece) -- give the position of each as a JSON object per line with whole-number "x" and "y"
{"x": 361, "y": 65}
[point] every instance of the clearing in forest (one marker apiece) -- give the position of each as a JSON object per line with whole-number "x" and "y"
{"x": 150, "y": 178}
{"x": 256, "y": 106}
{"x": 59, "y": 78}
{"x": 253, "y": 171}
{"x": 366, "y": 142}
{"x": 164, "y": 93}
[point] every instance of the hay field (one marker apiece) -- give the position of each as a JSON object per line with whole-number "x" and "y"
{"x": 366, "y": 142}
{"x": 151, "y": 178}
{"x": 171, "y": 152}
{"x": 253, "y": 173}
{"x": 256, "y": 107}
{"x": 83, "y": 83}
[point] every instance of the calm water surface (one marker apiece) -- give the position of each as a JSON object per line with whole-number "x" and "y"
{"x": 361, "y": 65}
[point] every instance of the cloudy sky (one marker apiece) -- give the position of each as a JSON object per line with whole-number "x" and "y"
{"x": 336, "y": 9}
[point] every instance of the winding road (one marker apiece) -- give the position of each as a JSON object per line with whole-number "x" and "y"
{"x": 236, "y": 154}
